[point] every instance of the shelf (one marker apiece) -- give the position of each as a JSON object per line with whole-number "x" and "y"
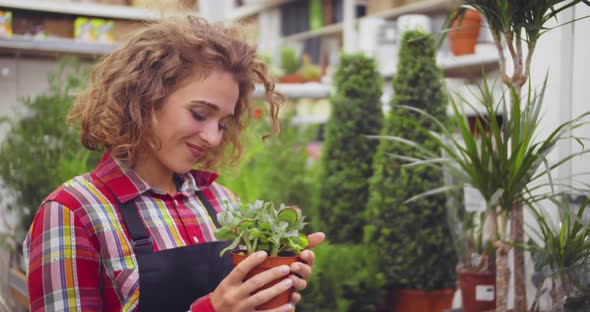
{"x": 85, "y": 9}
{"x": 51, "y": 46}
{"x": 419, "y": 7}
{"x": 311, "y": 90}
{"x": 309, "y": 120}
{"x": 330, "y": 30}
{"x": 253, "y": 9}
{"x": 466, "y": 66}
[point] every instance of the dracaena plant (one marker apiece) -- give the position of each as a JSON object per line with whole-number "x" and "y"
{"x": 261, "y": 226}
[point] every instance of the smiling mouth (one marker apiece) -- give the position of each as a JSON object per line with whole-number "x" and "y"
{"x": 195, "y": 150}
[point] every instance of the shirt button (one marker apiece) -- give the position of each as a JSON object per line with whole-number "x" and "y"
{"x": 176, "y": 202}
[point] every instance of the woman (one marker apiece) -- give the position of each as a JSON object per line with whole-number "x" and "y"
{"x": 137, "y": 232}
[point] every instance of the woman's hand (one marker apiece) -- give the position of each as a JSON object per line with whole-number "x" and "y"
{"x": 233, "y": 295}
{"x": 301, "y": 271}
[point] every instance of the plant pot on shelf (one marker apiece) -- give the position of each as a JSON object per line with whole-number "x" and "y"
{"x": 268, "y": 263}
{"x": 291, "y": 78}
{"x": 463, "y": 37}
{"x": 478, "y": 291}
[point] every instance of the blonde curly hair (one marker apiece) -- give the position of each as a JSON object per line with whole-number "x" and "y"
{"x": 129, "y": 86}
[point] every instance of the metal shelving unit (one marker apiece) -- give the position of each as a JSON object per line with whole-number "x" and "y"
{"x": 83, "y": 9}
{"x": 51, "y": 46}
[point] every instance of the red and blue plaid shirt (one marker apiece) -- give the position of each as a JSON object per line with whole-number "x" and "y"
{"x": 77, "y": 243}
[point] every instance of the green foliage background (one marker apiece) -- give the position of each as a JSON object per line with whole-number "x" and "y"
{"x": 41, "y": 151}
{"x": 346, "y": 278}
{"x": 347, "y": 154}
{"x": 274, "y": 169}
{"x": 413, "y": 238}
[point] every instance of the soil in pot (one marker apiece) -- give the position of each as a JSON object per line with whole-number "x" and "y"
{"x": 269, "y": 263}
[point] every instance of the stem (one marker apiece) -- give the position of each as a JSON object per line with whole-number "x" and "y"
{"x": 520, "y": 58}
{"x": 517, "y": 67}
{"x": 527, "y": 64}
{"x": 517, "y": 233}
{"x": 498, "y": 41}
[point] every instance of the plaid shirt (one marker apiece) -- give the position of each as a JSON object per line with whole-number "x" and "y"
{"x": 77, "y": 243}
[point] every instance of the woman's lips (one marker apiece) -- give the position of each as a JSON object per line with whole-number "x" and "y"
{"x": 195, "y": 150}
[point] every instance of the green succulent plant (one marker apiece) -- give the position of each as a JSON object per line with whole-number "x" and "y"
{"x": 260, "y": 226}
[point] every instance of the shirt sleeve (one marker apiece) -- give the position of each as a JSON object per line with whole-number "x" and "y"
{"x": 202, "y": 304}
{"x": 63, "y": 265}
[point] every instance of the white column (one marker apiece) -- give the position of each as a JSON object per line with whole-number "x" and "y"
{"x": 349, "y": 32}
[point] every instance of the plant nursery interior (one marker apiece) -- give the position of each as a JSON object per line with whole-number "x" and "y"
{"x": 440, "y": 145}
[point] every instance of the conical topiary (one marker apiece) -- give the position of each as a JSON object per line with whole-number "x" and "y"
{"x": 347, "y": 153}
{"x": 414, "y": 237}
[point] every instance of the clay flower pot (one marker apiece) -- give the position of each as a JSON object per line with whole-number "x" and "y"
{"x": 464, "y": 37}
{"x": 292, "y": 78}
{"x": 472, "y": 284}
{"x": 270, "y": 262}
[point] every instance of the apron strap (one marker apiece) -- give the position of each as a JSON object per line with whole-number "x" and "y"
{"x": 140, "y": 238}
{"x": 212, "y": 212}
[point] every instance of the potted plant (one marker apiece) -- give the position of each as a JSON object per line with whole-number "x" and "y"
{"x": 562, "y": 252}
{"x": 309, "y": 72}
{"x": 261, "y": 226}
{"x": 413, "y": 238}
{"x": 289, "y": 66}
{"x": 464, "y": 32}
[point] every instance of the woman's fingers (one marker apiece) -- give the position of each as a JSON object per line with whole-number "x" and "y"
{"x": 265, "y": 295}
{"x": 263, "y": 278}
{"x": 238, "y": 274}
{"x": 315, "y": 239}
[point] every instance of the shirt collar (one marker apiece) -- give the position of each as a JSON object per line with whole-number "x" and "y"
{"x": 126, "y": 184}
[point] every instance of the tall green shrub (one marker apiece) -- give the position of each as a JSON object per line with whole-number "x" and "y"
{"x": 414, "y": 237}
{"x": 40, "y": 150}
{"x": 347, "y": 153}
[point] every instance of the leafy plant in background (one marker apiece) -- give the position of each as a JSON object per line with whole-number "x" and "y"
{"x": 260, "y": 226}
{"x": 289, "y": 61}
{"x": 413, "y": 238}
{"x": 347, "y": 154}
{"x": 514, "y": 24}
{"x": 40, "y": 150}
{"x": 563, "y": 251}
{"x": 276, "y": 168}
{"x": 503, "y": 162}
{"x": 346, "y": 278}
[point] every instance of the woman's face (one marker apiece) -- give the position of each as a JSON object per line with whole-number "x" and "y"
{"x": 192, "y": 120}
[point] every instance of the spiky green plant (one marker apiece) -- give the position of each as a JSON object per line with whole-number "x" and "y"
{"x": 512, "y": 24}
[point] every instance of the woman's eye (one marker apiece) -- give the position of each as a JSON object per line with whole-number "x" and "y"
{"x": 197, "y": 116}
{"x": 222, "y": 127}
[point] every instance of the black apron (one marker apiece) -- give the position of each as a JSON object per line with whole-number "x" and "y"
{"x": 172, "y": 279}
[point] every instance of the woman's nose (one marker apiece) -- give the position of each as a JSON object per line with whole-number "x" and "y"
{"x": 211, "y": 134}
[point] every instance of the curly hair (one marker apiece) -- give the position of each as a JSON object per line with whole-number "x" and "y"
{"x": 128, "y": 86}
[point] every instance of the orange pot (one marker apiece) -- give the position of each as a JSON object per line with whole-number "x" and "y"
{"x": 464, "y": 37}
{"x": 469, "y": 283}
{"x": 441, "y": 300}
{"x": 292, "y": 78}
{"x": 269, "y": 263}
{"x": 406, "y": 300}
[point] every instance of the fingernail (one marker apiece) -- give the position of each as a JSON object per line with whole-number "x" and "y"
{"x": 261, "y": 254}
{"x": 284, "y": 269}
{"x": 288, "y": 308}
{"x": 288, "y": 283}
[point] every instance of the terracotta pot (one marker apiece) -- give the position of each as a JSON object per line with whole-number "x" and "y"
{"x": 464, "y": 37}
{"x": 441, "y": 300}
{"x": 473, "y": 286}
{"x": 269, "y": 263}
{"x": 291, "y": 78}
{"x": 406, "y": 300}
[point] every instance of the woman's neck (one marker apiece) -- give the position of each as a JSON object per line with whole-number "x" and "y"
{"x": 155, "y": 174}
